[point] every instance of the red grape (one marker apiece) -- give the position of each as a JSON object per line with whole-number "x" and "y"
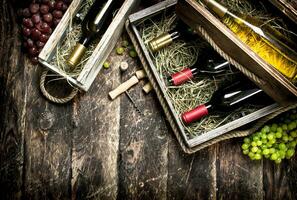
{"x": 56, "y": 21}
{"x": 36, "y": 18}
{"x": 43, "y": 38}
{"x": 65, "y": 7}
{"x": 58, "y": 14}
{"x": 48, "y": 17}
{"x": 51, "y": 5}
{"x": 59, "y": 5}
{"x": 34, "y": 60}
{"x": 33, "y": 51}
{"x": 26, "y": 12}
{"x": 30, "y": 43}
{"x": 44, "y": 28}
{"x": 35, "y": 34}
{"x": 44, "y": 9}
{"x": 40, "y": 44}
{"x": 45, "y": 1}
{"x": 26, "y": 31}
{"x": 28, "y": 22}
{"x": 67, "y": 2}
{"x": 34, "y": 8}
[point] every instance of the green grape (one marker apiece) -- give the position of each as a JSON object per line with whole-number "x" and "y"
{"x": 292, "y": 126}
{"x": 266, "y": 151}
{"x": 270, "y": 136}
{"x": 293, "y": 134}
{"x": 274, "y": 156}
{"x": 285, "y": 138}
{"x": 264, "y": 146}
{"x": 245, "y": 152}
{"x": 267, "y": 156}
{"x": 292, "y": 144}
{"x": 259, "y": 151}
{"x": 245, "y": 146}
{"x": 251, "y": 155}
{"x": 279, "y": 129}
{"x": 278, "y": 135}
{"x": 272, "y": 150}
{"x": 282, "y": 146}
{"x": 264, "y": 136}
{"x": 264, "y": 141}
{"x": 256, "y": 138}
{"x": 273, "y": 127}
{"x": 269, "y": 145}
{"x": 258, "y": 156}
{"x": 254, "y": 144}
{"x": 282, "y": 154}
{"x": 259, "y": 143}
{"x": 272, "y": 141}
{"x": 290, "y": 153}
{"x": 254, "y": 149}
{"x": 247, "y": 140}
{"x": 265, "y": 129}
{"x": 285, "y": 127}
{"x": 278, "y": 161}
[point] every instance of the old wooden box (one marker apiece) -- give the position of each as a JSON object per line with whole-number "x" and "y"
{"x": 270, "y": 80}
{"x": 288, "y": 7}
{"x": 189, "y": 145}
{"x": 92, "y": 67}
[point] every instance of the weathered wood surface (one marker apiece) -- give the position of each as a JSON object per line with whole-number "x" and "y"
{"x": 94, "y": 148}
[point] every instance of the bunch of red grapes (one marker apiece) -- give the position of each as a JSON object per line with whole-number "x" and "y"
{"x": 38, "y": 22}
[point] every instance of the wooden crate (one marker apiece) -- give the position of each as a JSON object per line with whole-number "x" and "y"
{"x": 101, "y": 52}
{"x": 189, "y": 145}
{"x": 273, "y": 82}
{"x": 286, "y": 8}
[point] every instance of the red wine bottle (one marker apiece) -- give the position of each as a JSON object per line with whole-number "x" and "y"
{"x": 211, "y": 67}
{"x": 228, "y": 99}
{"x": 180, "y": 31}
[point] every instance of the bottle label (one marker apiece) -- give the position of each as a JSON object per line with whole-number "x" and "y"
{"x": 195, "y": 114}
{"x": 182, "y": 76}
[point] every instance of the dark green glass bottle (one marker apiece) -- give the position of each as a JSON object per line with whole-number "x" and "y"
{"x": 94, "y": 24}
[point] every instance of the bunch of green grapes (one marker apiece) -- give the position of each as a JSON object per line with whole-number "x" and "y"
{"x": 275, "y": 141}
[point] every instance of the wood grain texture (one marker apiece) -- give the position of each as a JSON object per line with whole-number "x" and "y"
{"x": 96, "y": 139}
{"x": 48, "y": 144}
{"x": 237, "y": 176}
{"x": 280, "y": 180}
{"x": 191, "y": 176}
{"x": 143, "y": 160}
{"x": 12, "y": 105}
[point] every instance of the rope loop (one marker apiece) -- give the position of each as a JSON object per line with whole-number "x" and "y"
{"x": 52, "y": 98}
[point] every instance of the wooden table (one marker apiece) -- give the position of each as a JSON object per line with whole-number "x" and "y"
{"x": 94, "y": 148}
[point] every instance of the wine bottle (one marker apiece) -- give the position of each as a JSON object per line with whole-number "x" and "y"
{"x": 211, "y": 67}
{"x": 181, "y": 30}
{"x": 94, "y": 24}
{"x": 270, "y": 44}
{"x": 227, "y": 99}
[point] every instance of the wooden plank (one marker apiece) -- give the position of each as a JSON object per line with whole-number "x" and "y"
{"x": 11, "y": 105}
{"x": 191, "y": 176}
{"x": 143, "y": 145}
{"x": 237, "y": 176}
{"x": 96, "y": 139}
{"x": 48, "y": 144}
{"x": 280, "y": 180}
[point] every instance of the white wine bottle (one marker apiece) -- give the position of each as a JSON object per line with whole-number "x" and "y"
{"x": 94, "y": 24}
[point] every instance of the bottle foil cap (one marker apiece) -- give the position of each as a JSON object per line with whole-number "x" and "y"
{"x": 182, "y": 76}
{"x": 76, "y": 55}
{"x": 195, "y": 114}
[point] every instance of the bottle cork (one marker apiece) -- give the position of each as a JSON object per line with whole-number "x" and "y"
{"x": 147, "y": 88}
{"x": 123, "y": 87}
{"x": 140, "y": 74}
